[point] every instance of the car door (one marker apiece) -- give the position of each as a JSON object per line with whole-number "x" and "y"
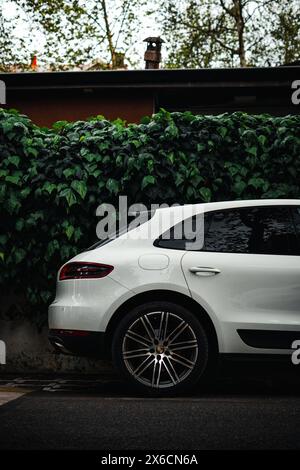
{"x": 247, "y": 277}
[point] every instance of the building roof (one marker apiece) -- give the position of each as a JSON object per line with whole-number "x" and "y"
{"x": 154, "y": 79}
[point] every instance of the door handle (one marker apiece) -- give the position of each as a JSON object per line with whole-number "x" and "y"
{"x": 204, "y": 270}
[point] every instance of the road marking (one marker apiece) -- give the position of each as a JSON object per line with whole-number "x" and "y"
{"x": 58, "y": 385}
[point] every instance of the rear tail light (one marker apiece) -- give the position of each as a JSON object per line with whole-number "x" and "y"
{"x": 84, "y": 271}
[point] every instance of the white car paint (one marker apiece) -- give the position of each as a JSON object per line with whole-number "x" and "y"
{"x": 251, "y": 291}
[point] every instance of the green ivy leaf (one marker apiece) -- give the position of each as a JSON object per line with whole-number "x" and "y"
{"x": 258, "y": 183}
{"x": 136, "y": 143}
{"x": 34, "y": 218}
{"x": 69, "y": 195}
{"x": 206, "y": 194}
{"x": 19, "y": 255}
{"x": 69, "y": 231}
{"x": 200, "y": 147}
{"x": 49, "y": 187}
{"x": 53, "y": 246}
{"x": 13, "y": 204}
{"x": 90, "y": 157}
{"x": 25, "y": 192}
{"x": 13, "y": 179}
{"x": 32, "y": 151}
{"x": 179, "y": 179}
{"x": 15, "y": 160}
{"x": 145, "y": 120}
{"x": 262, "y": 140}
{"x": 147, "y": 180}
{"x": 77, "y": 234}
{"x": 171, "y": 157}
{"x": 69, "y": 172}
{"x": 190, "y": 192}
{"x": 252, "y": 151}
{"x": 239, "y": 187}
{"x": 79, "y": 187}
{"x": 97, "y": 173}
{"x": 112, "y": 185}
{"x": 223, "y": 131}
{"x": 19, "y": 225}
{"x": 3, "y": 239}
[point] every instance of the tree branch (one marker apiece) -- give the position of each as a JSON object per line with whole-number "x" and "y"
{"x": 109, "y": 35}
{"x": 225, "y": 8}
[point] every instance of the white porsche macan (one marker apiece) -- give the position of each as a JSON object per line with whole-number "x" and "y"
{"x": 164, "y": 312}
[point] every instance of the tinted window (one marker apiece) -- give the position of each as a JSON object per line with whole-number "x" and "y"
{"x": 296, "y": 215}
{"x": 265, "y": 230}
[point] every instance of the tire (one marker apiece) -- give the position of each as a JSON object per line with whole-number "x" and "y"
{"x": 161, "y": 348}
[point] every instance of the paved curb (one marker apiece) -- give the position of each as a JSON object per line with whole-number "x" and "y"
{"x": 7, "y": 395}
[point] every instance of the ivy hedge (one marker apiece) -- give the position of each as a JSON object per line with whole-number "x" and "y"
{"x": 52, "y": 180}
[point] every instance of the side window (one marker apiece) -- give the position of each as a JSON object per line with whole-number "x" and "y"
{"x": 296, "y": 216}
{"x": 227, "y": 232}
{"x": 264, "y": 230}
{"x": 279, "y": 235}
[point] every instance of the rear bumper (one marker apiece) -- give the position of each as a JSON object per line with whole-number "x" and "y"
{"x": 79, "y": 343}
{"x": 86, "y": 304}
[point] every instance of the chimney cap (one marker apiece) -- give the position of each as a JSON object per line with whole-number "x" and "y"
{"x": 156, "y": 39}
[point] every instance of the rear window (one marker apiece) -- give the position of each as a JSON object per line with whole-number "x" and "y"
{"x": 144, "y": 217}
{"x": 186, "y": 235}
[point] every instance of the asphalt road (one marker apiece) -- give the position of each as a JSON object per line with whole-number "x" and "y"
{"x": 261, "y": 411}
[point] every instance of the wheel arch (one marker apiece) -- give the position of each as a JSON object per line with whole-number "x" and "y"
{"x": 165, "y": 295}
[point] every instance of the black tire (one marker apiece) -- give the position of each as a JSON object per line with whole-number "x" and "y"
{"x": 192, "y": 344}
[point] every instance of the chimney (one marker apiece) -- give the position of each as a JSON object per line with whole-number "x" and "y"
{"x": 119, "y": 58}
{"x": 33, "y": 64}
{"x": 152, "y": 54}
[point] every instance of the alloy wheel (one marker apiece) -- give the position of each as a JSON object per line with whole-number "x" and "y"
{"x": 160, "y": 349}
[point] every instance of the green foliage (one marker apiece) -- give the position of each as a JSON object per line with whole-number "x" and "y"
{"x": 230, "y": 33}
{"x": 74, "y": 33}
{"x": 52, "y": 181}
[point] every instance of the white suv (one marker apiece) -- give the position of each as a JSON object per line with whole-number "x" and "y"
{"x": 164, "y": 308}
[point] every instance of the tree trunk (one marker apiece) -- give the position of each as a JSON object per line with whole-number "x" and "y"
{"x": 108, "y": 34}
{"x": 240, "y": 25}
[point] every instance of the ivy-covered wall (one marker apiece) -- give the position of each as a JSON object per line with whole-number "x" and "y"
{"x": 52, "y": 180}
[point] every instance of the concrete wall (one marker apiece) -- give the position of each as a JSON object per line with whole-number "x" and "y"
{"x": 28, "y": 350}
